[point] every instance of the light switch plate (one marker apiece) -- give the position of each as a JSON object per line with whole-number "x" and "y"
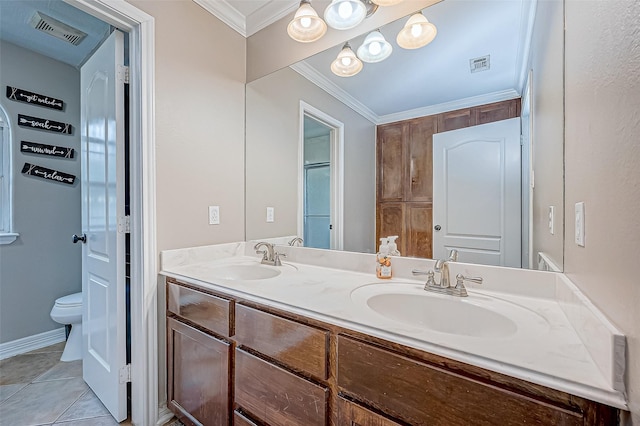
{"x": 551, "y": 219}
{"x": 270, "y": 214}
{"x": 214, "y": 215}
{"x": 580, "y": 224}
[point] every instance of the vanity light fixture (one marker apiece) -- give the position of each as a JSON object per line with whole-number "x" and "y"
{"x": 417, "y": 32}
{"x": 306, "y": 26}
{"x": 345, "y": 14}
{"x": 347, "y": 63}
{"x": 374, "y": 48}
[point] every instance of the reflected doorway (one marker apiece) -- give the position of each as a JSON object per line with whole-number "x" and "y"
{"x": 320, "y": 179}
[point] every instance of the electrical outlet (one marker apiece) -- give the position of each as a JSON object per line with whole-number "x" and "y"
{"x": 580, "y": 224}
{"x": 270, "y": 214}
{"x": 214, "y": 215}
{"x": 551, "y": 218}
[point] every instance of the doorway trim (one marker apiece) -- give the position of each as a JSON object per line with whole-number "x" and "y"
{"x": 144, "y": 315}
{"x": 337, "y": 171}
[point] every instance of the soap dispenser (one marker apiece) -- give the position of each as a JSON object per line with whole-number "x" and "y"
{"x": 393, "y": 247}
{"x": 383, "y": 261}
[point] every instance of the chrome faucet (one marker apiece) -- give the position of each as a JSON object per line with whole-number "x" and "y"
{"x": 269, "y": 256}
{"x": 296, "y": 242}
{"x": 444, "y": 286}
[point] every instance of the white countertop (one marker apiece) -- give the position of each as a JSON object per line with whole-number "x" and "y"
{"x": 546, "y": 349}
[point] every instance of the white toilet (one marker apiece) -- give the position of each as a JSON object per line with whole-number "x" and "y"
{"x": 68, "y": 310}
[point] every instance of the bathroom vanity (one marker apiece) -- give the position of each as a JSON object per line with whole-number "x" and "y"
{"x": 251, "y": 344}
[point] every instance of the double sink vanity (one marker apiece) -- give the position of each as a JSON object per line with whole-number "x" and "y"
{"x": 319, "y": 340}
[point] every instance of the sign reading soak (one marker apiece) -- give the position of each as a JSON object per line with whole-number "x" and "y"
{"x": 44, "y": 124}
{"x": 21, "y": 95}
{"x": 48, "y": 174}
{"x": 42, "y": 149}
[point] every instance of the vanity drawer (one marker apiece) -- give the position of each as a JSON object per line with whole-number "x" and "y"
{"x": 356, "y": 415}
{"x": 299, "y": 346}
{"x": 211, "y": 312}
{"x": 239, "y": 419}
{"x": 277, "y": 396}
{"x": 419, "y": 393}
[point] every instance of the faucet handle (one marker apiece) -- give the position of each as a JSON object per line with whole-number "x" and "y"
{"x": 460, "y": 279}
{"x": 453, "y": 255}
{"x": 276, "y": 258}
{"x": 431, "y": 282}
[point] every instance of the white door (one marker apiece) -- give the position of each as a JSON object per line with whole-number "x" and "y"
{"x": 103, "y": 267}
{"x": 476, "y": 193}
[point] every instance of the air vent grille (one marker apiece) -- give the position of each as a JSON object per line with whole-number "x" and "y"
{"x": 479, "y": 64}
{"x": 58, "y": 29}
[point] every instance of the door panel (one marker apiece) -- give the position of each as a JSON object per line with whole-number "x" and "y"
{"x": 477, "y": 169}
{"x": 419, "y": 176}
{"x": 390, "y": 163}
{"x": 391, "y": 221}
{"x": 103, "y": 268}
{"x": 419, "y": 230}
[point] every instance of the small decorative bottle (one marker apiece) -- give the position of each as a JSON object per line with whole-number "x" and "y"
{"x": 383, "y": 260}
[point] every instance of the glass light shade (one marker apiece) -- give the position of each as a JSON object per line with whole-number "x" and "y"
{"x": 306, "y": 26}
{"x": 417, "y": 32}
{"x": 344, "y": 14}
{"x": 347, "y": 63}
{"x": 386, "y": 2}
{"x": 374, "y": 48}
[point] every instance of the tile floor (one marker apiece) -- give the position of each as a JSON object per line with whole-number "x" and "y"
{"x": 37, "y": 389}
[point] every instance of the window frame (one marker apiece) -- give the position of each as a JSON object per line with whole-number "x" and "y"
{"x": 7, "y": 236}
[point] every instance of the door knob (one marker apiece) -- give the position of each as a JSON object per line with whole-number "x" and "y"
{"x": 82, "y": 238}
{"x": 437, "y": 227}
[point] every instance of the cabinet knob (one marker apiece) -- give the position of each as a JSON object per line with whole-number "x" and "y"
{"x": 437, "y": 227}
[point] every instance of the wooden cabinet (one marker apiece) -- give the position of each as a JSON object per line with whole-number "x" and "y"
{"x": 198, "y": 375}
{"x": 285, "y": 369}
{"x": 405, "y": 172}
{"x": 206, "y": 310}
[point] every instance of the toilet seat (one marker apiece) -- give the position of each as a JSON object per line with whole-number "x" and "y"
{"x": 70, "y": 301}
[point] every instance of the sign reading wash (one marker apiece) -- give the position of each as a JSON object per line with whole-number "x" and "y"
{"x": 44, "y": 124}
{"x": 42, "y": 149}
{"x": 21, "y": 95}
{"x": 48, "y": 174}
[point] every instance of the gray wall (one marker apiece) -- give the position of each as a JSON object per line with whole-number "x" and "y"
{"x": 42, "y": 264}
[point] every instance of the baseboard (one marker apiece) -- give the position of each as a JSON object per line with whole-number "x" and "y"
{"x": 164, "y": 415}
{"x": 31, "y": 343}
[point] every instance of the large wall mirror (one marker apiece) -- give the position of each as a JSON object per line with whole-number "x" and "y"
{"x": 311, "y": 135}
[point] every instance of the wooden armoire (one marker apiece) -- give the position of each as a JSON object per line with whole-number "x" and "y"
{"x": 404, "y": 157}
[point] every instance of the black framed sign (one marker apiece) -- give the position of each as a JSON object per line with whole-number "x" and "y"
{"x": 42, "y": 149}
{"x": 25, "y": 96}
{"x": 44, "y": 124}
{"x": 47, "y": 174}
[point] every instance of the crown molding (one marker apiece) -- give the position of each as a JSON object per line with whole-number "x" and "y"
{"x": 268, "y": 14}
{"x": 334, "y": 90}
{"x": 226, "y": 13}
{"x": 472, "y": 101}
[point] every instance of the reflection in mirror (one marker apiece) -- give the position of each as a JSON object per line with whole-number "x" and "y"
{"x": 394, "y": 116}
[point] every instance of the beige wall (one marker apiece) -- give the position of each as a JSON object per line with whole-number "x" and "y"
{"x": 200, "y": 68}
{"x": 273, "y": 105}
{"x": 546, "y": 63}
{"x": 602, "y": 165}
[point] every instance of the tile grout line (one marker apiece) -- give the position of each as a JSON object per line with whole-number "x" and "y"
{"x": 69, "y": 407}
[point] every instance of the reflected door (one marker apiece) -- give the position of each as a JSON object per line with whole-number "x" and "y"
{"x": 476, "y": 194}
{"x": 317, "y": 206}
{"x": 103, "y": 269}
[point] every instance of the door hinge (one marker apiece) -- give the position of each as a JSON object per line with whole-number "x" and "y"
{"x": 125, "y": 373}
{"x": 124, "y": 224}
{"x": 123, "y": 74}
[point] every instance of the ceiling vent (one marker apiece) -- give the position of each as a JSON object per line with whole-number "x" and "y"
{"x": 479, "y": 64}
{"x": 58, "y": 29}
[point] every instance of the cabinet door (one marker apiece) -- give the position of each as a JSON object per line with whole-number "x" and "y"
{"x": 497, "y": 111}
{"x": 419, "y": 223}
{"x": 454, "y": 120}
{"x": 391, "y": 221}
{"x": 350, "y": 414}
{"x": 419, "y": 159}
{"x": 390, "y": 159}
{"x": 198, "y": 376}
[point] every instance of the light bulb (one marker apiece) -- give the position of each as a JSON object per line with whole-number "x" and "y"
{"x": 346, "y": 61}
{"x": 305, "y": 22}
{"x": 416, "y": 30}
{"x": 375, "y": 48}
{"x": 345, "y": 10}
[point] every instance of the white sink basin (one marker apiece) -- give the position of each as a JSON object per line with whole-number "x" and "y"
{"x": 244, "y": 272}
{"x": 473, "y": 316}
